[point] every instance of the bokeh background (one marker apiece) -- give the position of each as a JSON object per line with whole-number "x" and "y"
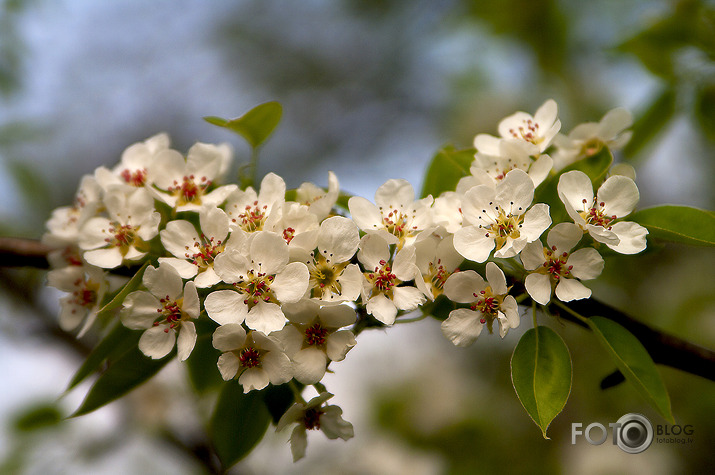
{"x": 370, "y": 90}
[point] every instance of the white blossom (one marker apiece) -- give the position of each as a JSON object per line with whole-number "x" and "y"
{"x": 184, "y": 184}
{"x": 136, "y": 160}
{"x": 164, "y": 312}
{"x": 263, "y": 280}
{"x": 383, "y": 294}
{"x": 87, "y": 286}
{"x": 250, "y": 211}
{"x": 436, "y": 260}
{"x": 314, "y": 415}
{"x": 590, "y": 137}
{"x": 395, "y": 216}
{"x": 253, "y": 358}
{"x": 195, "y": 253}
{"x": 499, "y": 218}
{"x": 314, "y": 337}
{"x": 557, "y": 266}
{"x": 535, "y": 132}
{"x": 124, "y": 236}
{"x": 333, "y": 279}
{"x": 616, "y": 198}
{"x": 489, "y": 301}
{"x": 319, "y": 201}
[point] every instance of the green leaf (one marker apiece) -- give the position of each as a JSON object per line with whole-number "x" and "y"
{"x": 680, "y": 224}
{"x": 541, "y": 374}
{"x": 633, "y": 360}
{"x": 201, "y": 365}
{"x": 255, "y": 125}
{"x": 705, "y": 110}
{"x": 446, "y": 168}
{"x": 238, "y": 423}
{"x": 123, "y": 375}
{"x": 279, "y": 398}
{"x": 115, "y": 344}
{"x": 128, "y": 288}
{"x": 596, "y": 167}
{"x": 651, "y": 123}
{"x": 36, "y": 417}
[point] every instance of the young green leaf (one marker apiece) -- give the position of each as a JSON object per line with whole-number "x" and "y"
{"x": 201, "y": 365}
{"x": 678, "y": 224}
{"x": 115, "y": 344}
{"x": 255, "y": 125}
{"x": 238, "y": 423}
{"x": 128, "y": 288}
{"x": 633, "y": 360}
{"x": 541, "y": 374}
{"x": 446, "y": 168}
{"x": 123, "y": 375}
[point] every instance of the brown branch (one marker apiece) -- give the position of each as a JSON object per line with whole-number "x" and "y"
{"x": 665, "y": 349}
{"x": 17, "y": 252}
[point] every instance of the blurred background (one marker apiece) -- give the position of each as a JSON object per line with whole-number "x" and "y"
{"x": 370, "y": 90}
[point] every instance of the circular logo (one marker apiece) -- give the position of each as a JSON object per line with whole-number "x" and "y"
{"x": 634, "y": 434}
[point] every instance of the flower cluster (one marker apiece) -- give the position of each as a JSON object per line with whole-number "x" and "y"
{"x": 288, "y": 284}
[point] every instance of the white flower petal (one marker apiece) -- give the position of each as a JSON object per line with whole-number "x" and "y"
{"x": 229, "y": 337}
{"x": 632, "y": 237}
{"x": 571, "y": 289}
{"x": 191, "y": 305}
{"x": 298, "y": 442}
{"x": 407, "y": 298}
{"x": 373, "y": 249}
{"x": 338, "y": 236}
{"x": 462, "y": 327}
{"x": 163, "y": 282}
{"x": 509, "y": 315}
{"x": 461, "y": 286}
{"x": 186, "y": 341}
{"x": 228, "y": 365}
{"x": 309, "y": 365}
{"x": 265, "y": 317}
{"x": 185, "y": 268}
{"x": 339, "y": 343}
{"x": 496, "y": 279}
{"x": 214, "y": 224}
{"x": 156, "y": 342}
{"x": 532, "y": 256}
{"x": 473, "y": 244}
{"x": 539, "y": 287}
{"x": 364, "y": 213}
{"x": 106, "y": 258}
{"x": 587, "y": 263}
{"x": 269, "y": 252}
{"x": 291, "y": 284}
{"x": 619, "y": 195}
{"x": 207, "y": 278}
{"x": 140, "y": 310}
{"x": 226, "y": 306}
{"x": 278, "y": 366}
{"x": 382, "y": 308}
{"x": 253, "y": 378}
{"x": 337, "y": 316}
{"x": 536, "y": 220}
{"x": 574, "y": 187}
{"x": 564, "y": 236}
